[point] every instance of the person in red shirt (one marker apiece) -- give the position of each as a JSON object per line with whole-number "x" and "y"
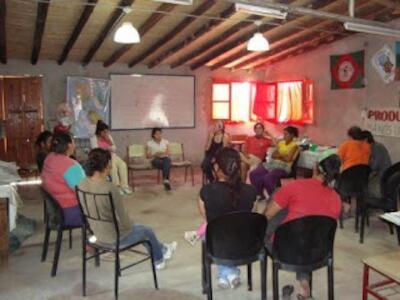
{"x": 255, "y": 149}
{"x": 306, "y": 197}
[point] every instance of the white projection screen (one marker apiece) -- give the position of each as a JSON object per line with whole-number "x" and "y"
{"x": 146, "y": 101}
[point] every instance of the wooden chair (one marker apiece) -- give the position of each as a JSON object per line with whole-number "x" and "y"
{"x": 178, "y": 160}
{"x": 137, "y": 161}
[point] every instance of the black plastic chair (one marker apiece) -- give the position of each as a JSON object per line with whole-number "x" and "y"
{"x": 54, "y": 220}
{"x": 390, "y": 187}
{"x": 90, "y": 210}
{"x": 304, "y": 245}
{"x": 235, "y": 239}
{"x": 353, "y": 182}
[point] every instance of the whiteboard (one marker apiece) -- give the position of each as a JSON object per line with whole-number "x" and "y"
{"x": 147, "y": 101}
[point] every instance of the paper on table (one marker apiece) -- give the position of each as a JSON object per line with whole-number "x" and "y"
{"x": 392, "y": 217}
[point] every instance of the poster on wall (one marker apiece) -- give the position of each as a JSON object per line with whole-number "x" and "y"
{"x": 382, "y": 121}
{"x": 89, "y": 99}
{"x": 397, "y": 77}
{"x": 347, "y": 71}
{"x": 383, "y": 61}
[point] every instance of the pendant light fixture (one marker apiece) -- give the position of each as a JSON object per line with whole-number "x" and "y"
{"x": 127, "y": 33}
{"x": 258, "y": 43}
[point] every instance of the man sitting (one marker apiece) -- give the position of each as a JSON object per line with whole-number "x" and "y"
{"x": 255, "y": 149}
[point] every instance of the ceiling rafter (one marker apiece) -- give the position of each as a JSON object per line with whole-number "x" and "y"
{"x": 116, "y": 15}
{"x": 154, "y": 18}
{"x": 86, "y": 13}
{"x": 41, "y": 17}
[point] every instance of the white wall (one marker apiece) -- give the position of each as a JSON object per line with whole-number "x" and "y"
{"x": 54, "y": 91}
{"x": 337, "y": 110}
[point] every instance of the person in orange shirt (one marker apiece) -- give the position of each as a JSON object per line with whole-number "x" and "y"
{"x": 354, "y": 151}
{"x": 255, "y": 149}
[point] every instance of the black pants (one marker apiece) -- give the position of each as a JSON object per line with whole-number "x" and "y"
{"x": 207, "y": 167}
{"x": 163, "y": 164}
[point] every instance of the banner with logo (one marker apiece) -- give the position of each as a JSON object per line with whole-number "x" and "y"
{"x": 382, "y": 121}
{"x": 384, "y": 63}
{"x": 347, "y": 71}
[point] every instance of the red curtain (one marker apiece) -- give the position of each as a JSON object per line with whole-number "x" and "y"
{"x": 264, "y": 101}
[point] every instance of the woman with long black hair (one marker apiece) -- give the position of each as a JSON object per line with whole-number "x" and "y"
{"x": 227, "y": 194}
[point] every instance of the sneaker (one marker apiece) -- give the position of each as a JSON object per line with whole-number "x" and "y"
{"x": 190, "y": 237}
{"x": 287, "y": 292}
{"x": 223, "y": 283}
{"x": 160, "y": 265}
{"x": 127, "y": 190}
{"x": 171, "y": 247}
{"x": 234, "y": 280}
{"x": 167, "y": 185}
{"x": 121, "y": 192}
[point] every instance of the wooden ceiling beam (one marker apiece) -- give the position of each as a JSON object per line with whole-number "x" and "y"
{"x": 241, "y": 40}
{"x": 112, "y": 20}
{"x": 206, "y": 5}
{"x": 154, "y": 18}
{"x": 42, "y": 10}
{"x": 208, "y": 27}
{"x": 3, "y": 36}
{"x": 315, "y": 42}
{"x": 86, "y": 13}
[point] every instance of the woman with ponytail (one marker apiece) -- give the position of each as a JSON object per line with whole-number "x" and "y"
{"x": 227, "y": 194}
{"x": 119, "y": 172}
{"x": 306, "y": 197}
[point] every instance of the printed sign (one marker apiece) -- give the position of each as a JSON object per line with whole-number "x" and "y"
{"x": 383, "y": 121}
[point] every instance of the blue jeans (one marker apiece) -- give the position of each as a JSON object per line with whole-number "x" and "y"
{"x": 140, "y": 232}
{"x": 224, "y": 271}
{"x": 163, "y": 164}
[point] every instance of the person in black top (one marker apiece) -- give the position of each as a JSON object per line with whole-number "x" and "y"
{"x": 227, "y": 194}
{"x": 43, "y": 144}
{"x": 217, "y": 139}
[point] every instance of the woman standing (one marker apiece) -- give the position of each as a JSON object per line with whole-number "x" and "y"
{"x": 227, "y": 194}
{"x": 61, "y": 174}
{"x": 267, "y": 175}
{"x": 217, "y": 139}
{"x": 119, "y": 172}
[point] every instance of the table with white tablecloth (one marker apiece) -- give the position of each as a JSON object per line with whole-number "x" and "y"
{"x": 308, "y": 158}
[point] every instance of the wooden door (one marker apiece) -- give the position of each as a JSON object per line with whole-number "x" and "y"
{"x": 23, "y": 117}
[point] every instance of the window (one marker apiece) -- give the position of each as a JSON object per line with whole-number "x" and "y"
{"x": 277, "y": 102}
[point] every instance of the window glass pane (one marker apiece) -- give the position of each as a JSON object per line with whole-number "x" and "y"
{"x": 289, "y": 106}
{"x": 220, "y": 110}
{"x": 220, "y": 92}
{"x": 240, "y": 101}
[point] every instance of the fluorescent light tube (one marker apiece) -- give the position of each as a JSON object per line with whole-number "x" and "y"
{"x": 260, "y": 11}
{"x": 181, "y": 2}
{"x": 358, "y": 27}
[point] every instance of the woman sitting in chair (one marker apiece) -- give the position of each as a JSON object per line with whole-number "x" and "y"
{"x": 306, "y": 197}
{"x": 61, "y": 174}
{"x": 267, "y": 175}
{"x": 98, "y": 168}
{"x": 227, "y": 194}
{"x": 119, "y": 173}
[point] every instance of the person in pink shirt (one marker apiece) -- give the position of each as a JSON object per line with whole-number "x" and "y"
{"x": 306, "y": 197}
{"x": 119, "y": 171}
{"x": 60, "y": 175}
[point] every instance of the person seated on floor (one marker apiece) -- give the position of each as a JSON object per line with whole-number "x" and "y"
{"x": 60, "y": 175}
{"x": 43, "y": 146}
{"x": 255, "y": 149}
{"x": 98, "y": 168}
{"x": 306, "y": 197}
{"x": 354, "y": 151}
{"x": 379, "y": 162}
{"x": 267, "y": 175}
{"x": 217, "y": 139}
{"x": 227, "y": 194}
{"x": 119, "y": 172}
{"x": 158, "y": 151}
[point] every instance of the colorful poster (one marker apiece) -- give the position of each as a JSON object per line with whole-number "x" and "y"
{"x": 397, "y": 77}
{"x": 347, "y": 71}
{"x": 383, "y": 61}
{"x": 89, "y": 99}
{"x": 382, "y": 121}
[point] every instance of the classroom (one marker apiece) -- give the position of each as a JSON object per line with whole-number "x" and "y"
{"x": 200, "y": 149}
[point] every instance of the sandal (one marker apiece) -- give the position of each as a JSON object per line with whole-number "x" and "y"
{"x": 287, "y": 292}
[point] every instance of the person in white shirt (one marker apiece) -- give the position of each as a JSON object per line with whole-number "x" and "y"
{"x": 119, "y": 171}
{"x": 158, "y": 152}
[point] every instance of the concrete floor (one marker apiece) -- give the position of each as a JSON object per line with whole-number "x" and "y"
{"x": 170, "y": 214}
